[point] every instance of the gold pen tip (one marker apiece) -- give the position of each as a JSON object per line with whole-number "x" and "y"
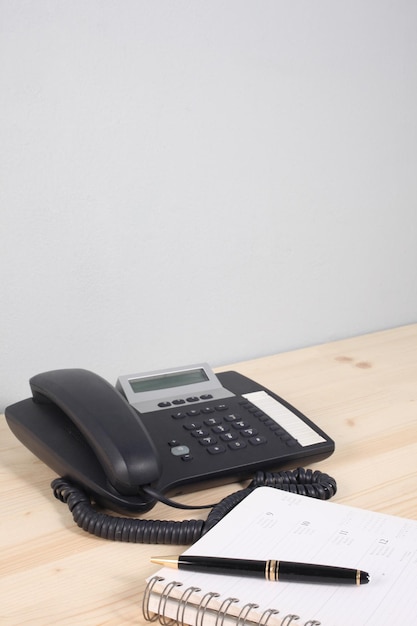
{"x": 165, "y": 561}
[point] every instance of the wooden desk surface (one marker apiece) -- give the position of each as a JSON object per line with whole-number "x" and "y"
{"x": 361, "y": 391}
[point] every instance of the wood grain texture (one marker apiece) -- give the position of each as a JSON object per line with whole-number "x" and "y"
{"x": 361, "y": 391}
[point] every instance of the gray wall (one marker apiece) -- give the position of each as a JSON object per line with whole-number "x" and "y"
{"x": 187, "y": 181}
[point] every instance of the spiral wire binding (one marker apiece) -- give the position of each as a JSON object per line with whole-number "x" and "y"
{"x": 150, "y": 617}
{"x": 203, "y": 606}
{"x": 290, "y": 618}
{"x": 182, "y": 605}
{"x": 266, "y": 615}
{"x": 163, "y": 619}
{"x": 246, "y": 615}
{"x": 223, "y": 610}
{"x": 300, "y": 481}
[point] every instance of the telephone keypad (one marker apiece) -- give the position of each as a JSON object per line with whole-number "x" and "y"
{"x": 222, "y": 431}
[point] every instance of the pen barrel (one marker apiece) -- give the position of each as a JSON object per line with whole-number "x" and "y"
{"x": 305, "y": 572}
{"x": 215, "y": 565}
{"x": 283, "y": 571}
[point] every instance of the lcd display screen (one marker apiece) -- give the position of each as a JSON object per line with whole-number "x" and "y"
{"x": 171, "y": 379}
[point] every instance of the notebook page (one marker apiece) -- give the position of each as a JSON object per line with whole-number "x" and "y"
{"x": 274, "y": 524}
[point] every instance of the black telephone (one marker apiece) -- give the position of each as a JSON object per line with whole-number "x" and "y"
{"x": 158, "y": 433}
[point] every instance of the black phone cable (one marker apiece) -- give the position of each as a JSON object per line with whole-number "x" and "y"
{"x": 301, "y": 481}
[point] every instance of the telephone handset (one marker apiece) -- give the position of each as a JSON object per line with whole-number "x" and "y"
{"x": 108, "y": 423}
{"x": 161, "y": 433}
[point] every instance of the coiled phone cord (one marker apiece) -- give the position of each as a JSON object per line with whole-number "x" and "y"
{"x": 301, "y": 481}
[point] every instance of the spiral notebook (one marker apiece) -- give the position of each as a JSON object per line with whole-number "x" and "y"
{"x": 274, "y": 524}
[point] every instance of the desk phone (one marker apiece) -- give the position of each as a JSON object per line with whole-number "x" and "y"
{"x": 168, "y": 431}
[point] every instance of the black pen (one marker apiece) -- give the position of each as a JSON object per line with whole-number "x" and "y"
{"x": 285, "y": 571}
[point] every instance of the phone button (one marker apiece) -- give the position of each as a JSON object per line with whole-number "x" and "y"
{"x": 180, "y": 450}
{"x": 256, "y": 441}
{"x": 199, "y": 432}
{"x": 192, "y": 426}
{"x": 236, "y": 445}
{"x": 208, "y": 441}
{"x": 229, "y": 437}
{"x": 217, "y": 449}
